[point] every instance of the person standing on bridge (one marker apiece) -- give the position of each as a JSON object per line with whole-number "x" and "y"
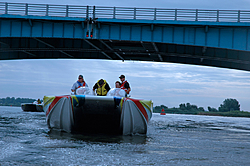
{"x": 124, "y": 84}
{"x": 79, "y": 83}
{"x": 101, "y": 87}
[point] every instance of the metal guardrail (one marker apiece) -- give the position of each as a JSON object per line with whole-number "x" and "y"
{"x": 125, "y": 13}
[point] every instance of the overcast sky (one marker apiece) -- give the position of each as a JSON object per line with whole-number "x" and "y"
{"x": 165, "y": 83}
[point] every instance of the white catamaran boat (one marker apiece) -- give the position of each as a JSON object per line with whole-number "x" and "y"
{"x": 87, "y": 113}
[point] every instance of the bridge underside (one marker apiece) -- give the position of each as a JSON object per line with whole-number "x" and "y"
{"x": 54, "y": 48}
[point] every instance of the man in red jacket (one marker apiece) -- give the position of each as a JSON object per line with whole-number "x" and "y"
{"x": 125, "y": 84}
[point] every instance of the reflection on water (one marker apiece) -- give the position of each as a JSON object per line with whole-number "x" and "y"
{"x": 95, "y": 138}
{"x": 188, "y": 122}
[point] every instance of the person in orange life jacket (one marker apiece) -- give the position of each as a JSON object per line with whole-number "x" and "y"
{"x": 124, "y": 84}
{"x": 102, "y": 87}
{"x": 79, "y": 83}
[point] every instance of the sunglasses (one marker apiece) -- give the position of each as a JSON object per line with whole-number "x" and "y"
{"x": 80, "y": 78}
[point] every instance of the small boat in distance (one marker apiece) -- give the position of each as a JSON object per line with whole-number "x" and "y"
{"x": 36, "y": 106}
{"x": 87, "y": 113}
{"x": 30, "y": 107}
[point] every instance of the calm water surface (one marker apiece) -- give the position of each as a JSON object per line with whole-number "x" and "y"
{"x": 171, "y": 140}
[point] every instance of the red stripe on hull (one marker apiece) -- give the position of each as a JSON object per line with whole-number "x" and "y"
{"x": 53, "y": 104}
{"x": 141, "y": 108}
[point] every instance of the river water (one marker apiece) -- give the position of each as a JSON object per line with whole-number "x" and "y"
{"x": 172, "y": 139}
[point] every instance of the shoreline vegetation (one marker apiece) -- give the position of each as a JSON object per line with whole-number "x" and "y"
{"x": 229, "y": 108}
{"x": 207, "y": 113}
{"x": 16, "y": 102}
{"x": 228, "y": 114}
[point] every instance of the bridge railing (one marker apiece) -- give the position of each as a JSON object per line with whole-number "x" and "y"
{"x": 125, "y": 12}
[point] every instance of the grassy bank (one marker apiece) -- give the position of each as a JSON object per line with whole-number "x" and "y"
{"x": 199, "y": 112}
{"x": 229, "y": 114}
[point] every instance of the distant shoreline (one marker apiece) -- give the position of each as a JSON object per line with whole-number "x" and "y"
{"x": 240, "y": 114}
{"x": 10, "y": 106}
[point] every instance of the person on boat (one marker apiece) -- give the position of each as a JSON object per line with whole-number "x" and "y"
{"x": 101, "y": 87}
{"x": 39, "y": 101}
{"x": 79, "y": 83}
{"x": 117, "y": 84}
{"x": 124, "y": 84}
{"x": 117, "y": 91}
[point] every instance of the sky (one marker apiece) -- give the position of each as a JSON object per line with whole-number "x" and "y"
{"x": 169, "y": 84}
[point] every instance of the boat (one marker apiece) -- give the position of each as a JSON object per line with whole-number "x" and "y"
{"x": 87, "y": 113}
{"x": 32, "y": 107}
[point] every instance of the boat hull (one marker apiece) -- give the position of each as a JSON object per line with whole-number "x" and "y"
{"x": 97, "y": 114}
{"x": 29, "y": 107}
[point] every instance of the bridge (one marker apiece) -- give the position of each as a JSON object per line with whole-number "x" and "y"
{"x": 219, "y": 38}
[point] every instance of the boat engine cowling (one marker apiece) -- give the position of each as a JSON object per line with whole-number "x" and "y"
{"x": 84, "y": 91}
{"x": 116, "y": 92}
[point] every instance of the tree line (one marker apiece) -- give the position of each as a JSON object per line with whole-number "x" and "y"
{"x": 229, "y": 107}
{"x": 12, "y": 101}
